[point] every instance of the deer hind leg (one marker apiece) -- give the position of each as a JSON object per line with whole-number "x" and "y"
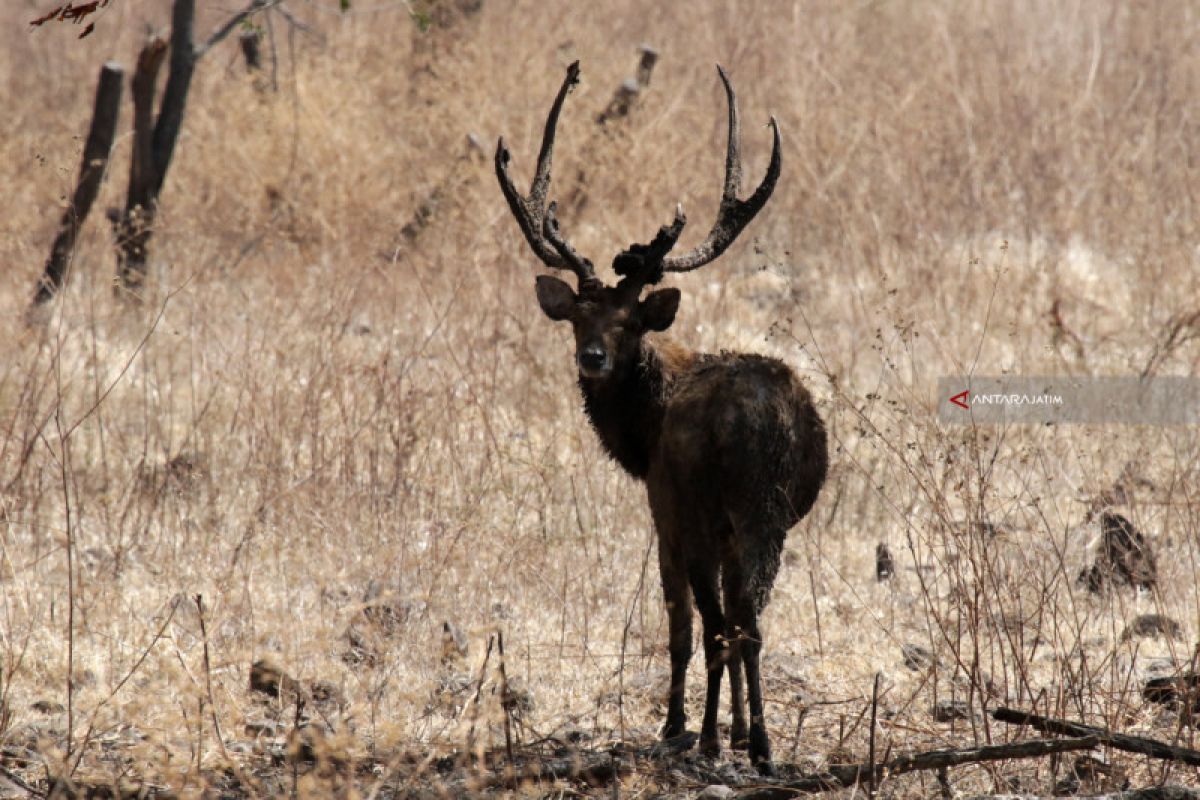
{"x": 677, "y": 595}
{"x": 760, "y": 563}
{"x": 708, "y": 601}
{"x": 731, "y": 585}
{"x": 751, "y": 647}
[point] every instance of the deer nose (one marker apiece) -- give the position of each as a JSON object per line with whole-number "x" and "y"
{"x": 592, "y": 358}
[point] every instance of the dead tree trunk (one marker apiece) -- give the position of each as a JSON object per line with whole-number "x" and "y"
{"x": 133, "y": 227}
{"x": 153, "y": 147}
{"x": 627, "y": 94}
{"x": 249, "y": 41}
{"x": 91, "y": 173}
{"x": 154, "y": 144}
{"x": 154, "y": 141}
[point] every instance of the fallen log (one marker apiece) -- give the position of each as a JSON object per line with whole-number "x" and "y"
{"x": 1153, "y": 793}
{"x": 595, "y": 767}
{"x": 850, "y": 775}
{"x": 1130, "y": 744}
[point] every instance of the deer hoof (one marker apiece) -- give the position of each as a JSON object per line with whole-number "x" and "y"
{"x": 739, "y": 739}
{"x": 673, "y": 729}
{"x": 760, "y": 751}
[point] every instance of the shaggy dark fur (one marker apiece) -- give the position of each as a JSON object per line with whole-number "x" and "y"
{"x": 733, "y": 454}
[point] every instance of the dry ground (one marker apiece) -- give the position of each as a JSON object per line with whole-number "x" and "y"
{"x": 342, "y": 434}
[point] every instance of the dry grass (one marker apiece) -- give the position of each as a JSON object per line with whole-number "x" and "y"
{"x": 310, "y": 404}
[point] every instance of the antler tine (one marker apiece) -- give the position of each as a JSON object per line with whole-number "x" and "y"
{"x": 536, "y": 222}
{"x": 550, "y": 230}
{"x": 734, "y": 214}
{"x": 642, "y": 264}
{"x": 667, "y": 236}
{"x": 541, "y": 179}
{"x": 733, "y": 147}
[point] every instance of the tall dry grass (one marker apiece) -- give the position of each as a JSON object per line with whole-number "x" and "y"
{"x": 312, "y": 412}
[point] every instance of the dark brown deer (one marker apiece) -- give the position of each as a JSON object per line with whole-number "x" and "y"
{"x": 730, "y": 446}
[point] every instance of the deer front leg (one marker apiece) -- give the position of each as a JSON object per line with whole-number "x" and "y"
{"x": 677, "y": 596}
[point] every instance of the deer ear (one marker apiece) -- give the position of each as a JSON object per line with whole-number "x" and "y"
{"x": 658, "y": 309}
{"x": 556, "y": 298}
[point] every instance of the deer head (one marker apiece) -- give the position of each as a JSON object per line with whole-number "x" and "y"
{"x": 609, "y": 321}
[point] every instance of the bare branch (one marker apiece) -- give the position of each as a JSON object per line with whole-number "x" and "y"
{"x": 1168, "y": 792}
{"x": 854, "y": 774}
{"x": 234, "y": 21}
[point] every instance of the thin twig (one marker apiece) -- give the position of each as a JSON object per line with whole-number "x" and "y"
{"x": 296, "y": 732}
{"x": 637, "y": 594}
{"x": 141, "y": 345}
{"x": 227, "y": 28}
{"x": 487, "y": 656}
{"x": 871, "y": 746}
{"x": 19, "y": 782}
{"x": 63, "y": 462}
{"x": 300, "y": 26}
{"x": 212, "y": 705}
{"x": 504, "y": 706}
{"x": 121, "y": 683}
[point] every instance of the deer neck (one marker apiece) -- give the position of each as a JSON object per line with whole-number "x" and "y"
{"x": 626, "y": 408}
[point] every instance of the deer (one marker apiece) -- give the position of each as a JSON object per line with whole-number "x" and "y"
{"x": 730, "y": 446}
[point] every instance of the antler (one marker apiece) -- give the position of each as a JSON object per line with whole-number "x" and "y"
{"x": 538, "y": 222}
{"x": 643, "y": 263}
{"x": 734, "y": 214}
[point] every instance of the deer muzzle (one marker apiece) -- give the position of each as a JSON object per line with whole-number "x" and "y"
{"x": 593, "y": 361}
